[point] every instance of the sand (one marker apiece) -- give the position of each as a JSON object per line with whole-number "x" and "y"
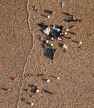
{"x": 22, "y": 56}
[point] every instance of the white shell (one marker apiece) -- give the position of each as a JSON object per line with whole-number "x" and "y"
{"x": 67, "y": 29}
{"x": 58, "y": 77}
{"x": 47, "y": 41}
{"x": 37, "y": 90}
{"x": 51, "y": 44}
{"x": 52, "y": 38}
{"x": 64, "y": 46}
{"x": 59, "y": 38}
{"x": 32, "y": 104}
{"x": 48, "y": 16}
{"x": 48, "y": 80}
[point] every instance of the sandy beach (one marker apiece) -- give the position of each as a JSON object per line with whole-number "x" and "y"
{"x": 22, "y": 56}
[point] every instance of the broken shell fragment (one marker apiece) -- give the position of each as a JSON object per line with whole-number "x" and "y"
{"x": 47, "y": 31}
{"x": 47, "y": 41}
{"x": 51, "y": 45}
{"x": 48, "y": 80}
{"x": 48, "y": 16}
{"x": 65, "y": 47}
{"x": 59, "y": 38}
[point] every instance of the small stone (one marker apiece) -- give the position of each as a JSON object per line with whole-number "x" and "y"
{"x": 37, "y": 90}
{"x": 67, "y": 29}
{"x": 48, "y": 80}
{"x": 66, "y": 33}
{"x": 51, "y": 45}
{"x": 47, "y": 41}
{"x": 58, "y": 77}
{"x": 32, "y": 104}
{"x": 52, "y": 38}
{"x": 48, "y": 16}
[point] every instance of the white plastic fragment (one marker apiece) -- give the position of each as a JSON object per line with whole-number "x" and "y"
{"x": 47, "y": 41}
{"x": 51, "y": 44}
{"x": 47, "y": 30}
{"x": 62, "y": 4}
{"x": 56, "y": 28}
{"x": 32, "y": 104}
{"x": 66, "y": 33}
{"x": 58, "y": 77}
{"x": 37, "y": 90}
{"x": 52, "y": 38}
{"x": 59, "y": 38}
{"x": 67, "y": 29}
{"x": 48, "y": 16}
{"x": 48, "y": 80}
{"x": 80, "y": 43}
{"x": 65, "y": 47}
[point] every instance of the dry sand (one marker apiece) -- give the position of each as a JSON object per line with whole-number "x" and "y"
{"x": 21, "y": 55}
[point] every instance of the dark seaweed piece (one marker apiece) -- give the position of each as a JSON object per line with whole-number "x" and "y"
{"x": 47, "y": 91}
{"x": 49, "y": 53}
{"x": 48, "y": 11}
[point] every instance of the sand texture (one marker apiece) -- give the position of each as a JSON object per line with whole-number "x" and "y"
{"x": 22, "y": 55}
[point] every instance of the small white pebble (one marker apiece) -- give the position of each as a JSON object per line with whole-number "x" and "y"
{"x": 52, "y": 38}
{"x": 66, "y": 33}
{"x": 67, "y": 29}
{"x": 37, "y": 91}
{"x": 48, "y": 16}
{"x": 59, "y": 38}
{"x": 51, "y": 44}
{"x": 80, "y": 43}
{"x": 32, "y": 104}
{"x": 48, "y": 80}
{"x": 58, "y": 77}
{"x": 47, "y": 41}
{"x": 65, "y": 47}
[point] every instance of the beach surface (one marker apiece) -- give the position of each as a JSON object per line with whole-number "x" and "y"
{"x": 22, "y": 56}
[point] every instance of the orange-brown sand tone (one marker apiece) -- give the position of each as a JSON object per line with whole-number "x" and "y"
{"x": 22, "y": 57}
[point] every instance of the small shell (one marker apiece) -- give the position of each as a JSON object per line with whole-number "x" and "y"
{"x": 48, "y": 80}
{"x": 51, "y": 45}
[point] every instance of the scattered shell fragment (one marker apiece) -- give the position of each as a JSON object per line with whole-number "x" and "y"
{"x": 59, "y": 38}
{"x": 65, "y": 47}
{"x": 37, "y": 90}
{"x": 67, "y": 29}
{"x": 52, "y": 38}
{"x": 32, "y": 104}
{"x": 66, "y": 33}
{"x": 48, "y": 80}
{"x": 48, "y": 16}
{"x": 58, "y": 77}
{"x": 47, "y": 31}
{"x": 51, "y": 45}
{"x": 47, "y": 41}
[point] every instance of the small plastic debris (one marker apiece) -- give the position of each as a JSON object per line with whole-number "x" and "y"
{"x": 48, "y": 16}
{"x": 62, "y": 4}
{"x": 58, "y": 77}
{"x": 52, "y": 38}
{"x": 80, "y": 44}
{"x": 14, "y": 79}
{"x": 56, "y": 28}
{"x": 67, "y": 29}
{"x": 22, "y": 99}
{"x": 51, "y": 45}
{"x": 59, "y": 38}
{"x": 66, "y": 33}
{"x": 48, "y": 80}
{"x": 47, "y": 41}
{"x": 47, "y": 31}
{"x": 37, "y": 90}
{"x": 65, "y": 47}
{"x": 32, "y": 104}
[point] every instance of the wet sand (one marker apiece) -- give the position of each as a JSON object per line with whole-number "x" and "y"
{"x": 22, "y": 56}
